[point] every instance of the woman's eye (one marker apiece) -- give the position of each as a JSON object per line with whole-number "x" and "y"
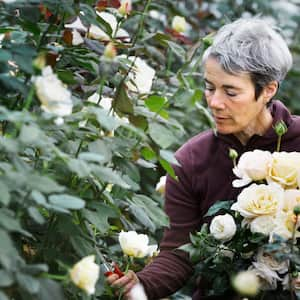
{"x": 210, "y": 89}
{"x": 231, "y": 94}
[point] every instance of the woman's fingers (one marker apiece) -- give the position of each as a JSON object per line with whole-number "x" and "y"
{"x": 123, "y": 284}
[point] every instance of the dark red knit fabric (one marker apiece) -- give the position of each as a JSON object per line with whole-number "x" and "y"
{"x": 204, "y": 177}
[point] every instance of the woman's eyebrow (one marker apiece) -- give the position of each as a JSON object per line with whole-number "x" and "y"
{"x": 226, "y": 86}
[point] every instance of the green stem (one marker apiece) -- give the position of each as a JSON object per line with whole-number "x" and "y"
{"x": 141, "y": 23}
{"x": 278, "y": 143}
{"x": 28, "y": 100}
{"x": 55, "y": 276}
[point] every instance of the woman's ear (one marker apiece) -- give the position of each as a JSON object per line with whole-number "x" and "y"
{"x": 270, "y": 90}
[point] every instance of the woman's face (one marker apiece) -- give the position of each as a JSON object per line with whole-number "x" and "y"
{"x": 231, "y": 99}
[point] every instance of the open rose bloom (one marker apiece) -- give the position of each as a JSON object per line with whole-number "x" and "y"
{"x": 259, "y": 229}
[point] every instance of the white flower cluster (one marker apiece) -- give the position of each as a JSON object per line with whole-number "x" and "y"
{"x": 268, "y": 208}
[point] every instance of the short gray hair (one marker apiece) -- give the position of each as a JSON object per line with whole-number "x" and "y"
{"x": 251, "y": 46}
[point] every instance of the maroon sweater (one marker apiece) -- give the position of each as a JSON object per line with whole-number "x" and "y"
{"x": 205, "y": 176}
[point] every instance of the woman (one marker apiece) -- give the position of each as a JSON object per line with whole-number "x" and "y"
{"x": 242, "y": 70}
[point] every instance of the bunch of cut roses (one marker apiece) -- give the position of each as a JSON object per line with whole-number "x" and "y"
{"x": 251, "y": 246}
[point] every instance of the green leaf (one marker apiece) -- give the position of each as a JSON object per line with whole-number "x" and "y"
{"x": 3, "y": 296}
{"x": 4, "y": 55}
{"x": 38, "y": 197}
{"x": 169, "y": 157}
{"x": 5, "y": 195}
{"x": 99, "y": 216}
{"x": 168, "y": 168}
{"x": 6, "y": 278}
{"x": 9, "y": 222}
{"x": 66, "y": 76}
{"x": 81, "y": 246}
{"x": 122, "y": 102}
{"x": 110, "y": 176}
{"x": 108, "y": 122}
{"x": 93, "y": 157}
{"x": 148, "y": 153}
{"x": 50, "y": 290}
{"x": 155, "y": 103}
{"x": 80, "y": 167}
{"x": 36, "y": 215}
{"x": 28, "y": 283}
{"x": 66, "y": 201}
{"x": 43, "y": 184}
{"x": 177, "y": 50}
{"x": 163, "y": 136}
{"x": 225, "y": 205}
{"x": 101, "y": 148}
{"x": 155, "y": 213}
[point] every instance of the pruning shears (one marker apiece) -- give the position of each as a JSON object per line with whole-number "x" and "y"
{"x": 109, "y": 268}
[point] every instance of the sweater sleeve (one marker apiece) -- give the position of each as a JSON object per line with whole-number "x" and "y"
{"x": 170, "y": 270}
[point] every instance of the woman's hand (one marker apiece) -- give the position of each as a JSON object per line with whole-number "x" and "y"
{"x": 123, "y": 284}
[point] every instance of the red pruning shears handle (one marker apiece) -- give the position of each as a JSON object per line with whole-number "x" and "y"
{"x": 114, "y": 269}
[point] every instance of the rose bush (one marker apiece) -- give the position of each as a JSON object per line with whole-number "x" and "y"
{"x": 127, "y": 87}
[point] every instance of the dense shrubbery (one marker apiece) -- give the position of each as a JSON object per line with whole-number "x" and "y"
{"x": 70, "y": 182}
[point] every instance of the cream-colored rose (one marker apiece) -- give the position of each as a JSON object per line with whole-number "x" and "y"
{"x": 125, "y": 7}
{"x": 291, "y": 199}
{"x": 97, "y": 33}
{"x": 263, "y": 224}
{"x": 161, "y": 185}
{"x": 246, "y": 283}
{"x": 76, "y": 38}
{"x": 223, "y": 227}
{"x": 285, "y": 168}
{"x": 136, "y": 245}
{"x": 265, "y": 258}
{"x": 252, "y": 166}
{"x": 85, "y": 274}
{"x": 55, "y": 98}
{"x": 179, "y": 24}
{"x": 285, "y": 223}
{"x": 267, "y": 277}
{"x": 140, "y": 76}
{"x": 259, "y": 200}
{"x": 77, "y": 25}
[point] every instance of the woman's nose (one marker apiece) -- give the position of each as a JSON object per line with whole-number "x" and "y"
{"x": 216, "y": 101}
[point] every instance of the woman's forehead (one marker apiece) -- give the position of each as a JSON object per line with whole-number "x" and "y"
{"x": 215, "y": 74}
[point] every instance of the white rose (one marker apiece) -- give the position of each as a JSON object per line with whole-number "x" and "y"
{"x": 55, "y": 98}
{"x": 259, "y": 200}
{"x": 161, "y": 185}
{"x": 76, "y": 38}
{"x": 223, "y": 227}
{"x": 140, "y": 76}
{"x": 268, "y": 278}
{"x": 85, "y": 274}
{"x": 97, "y": 33}
{"x": 252, "y": 166}
{"x": 285, "y": 223}
{"x": 291, "y": 199}
{"x": 77, "y": 25}
{"x": 285, "y": 169}
{"x": 264, "y": 258}
{"x": 246, "y": 283}
{"x": 179, "y": 24}
{"x": 137, "y": 292}
{"x": 263, "y": 224}
{"x": 136, "y": 245}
